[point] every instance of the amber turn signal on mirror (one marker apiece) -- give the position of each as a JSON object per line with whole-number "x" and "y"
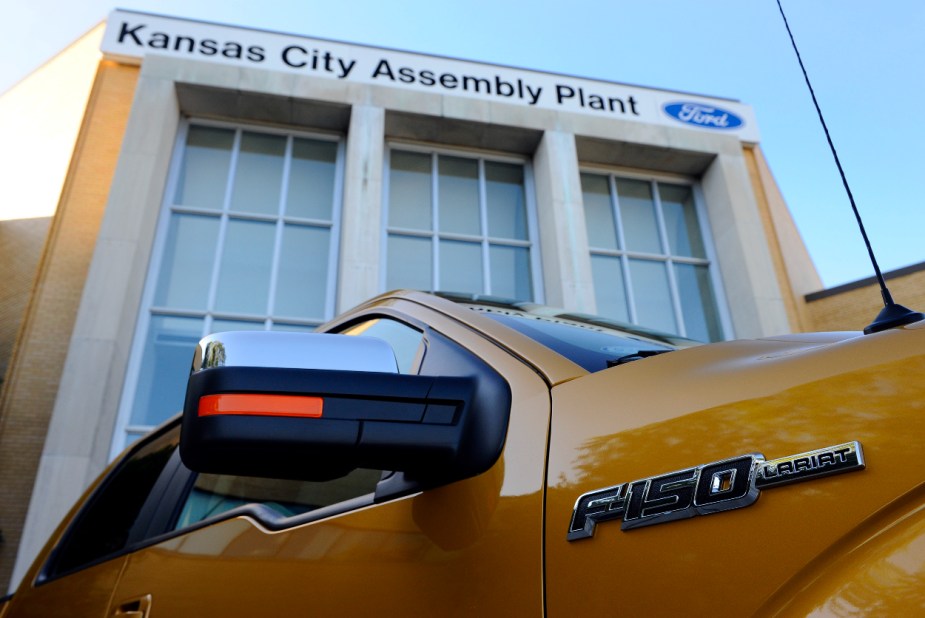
{"x": 261, "y": 405}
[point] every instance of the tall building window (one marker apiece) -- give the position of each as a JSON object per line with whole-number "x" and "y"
{"x": 649, "y": 255}
{"x": 460, "y": 223}
{"x": 248, "y": 240}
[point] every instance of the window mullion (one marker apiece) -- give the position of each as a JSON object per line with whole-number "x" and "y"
{"x": 536, "y": 270}
{"x": 223, "y": 223}
{"x": 660, "y": 219}
{"x": 719, "y": 292}
{"x": 181, "y": 313}
{"x": 207, "y": 324}
{"x": 308, "y": 222}
{"x": 624, "y": 258}
{"x": 192, "y": 210}
{"x": 280, "y": 225}
{"x": 435, "y": 218}
{"x": 398, "y": 231}
{"x": 334, "y": 244}
{"x": 509, "y": 242}
{"x": 669, "y": 263}
{"x": 483, "y": 224}
{"x": 384, "y": 238}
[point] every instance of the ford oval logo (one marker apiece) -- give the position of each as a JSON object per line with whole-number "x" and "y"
{"x": 701, "y": 115}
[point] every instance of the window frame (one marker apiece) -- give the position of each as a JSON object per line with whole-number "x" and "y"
{"x": 421, "y": 349}
{"x": 161, "y": 509}
{"x": 123, "y": 429}
{"x": 143, "y": 531}
{"x": 435, "y": 235}
{"x": 624, "y": 254}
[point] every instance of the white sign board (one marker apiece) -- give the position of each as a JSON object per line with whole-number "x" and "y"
{"x": 130, "y": 36}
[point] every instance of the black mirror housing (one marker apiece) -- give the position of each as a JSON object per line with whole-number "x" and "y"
{"x": 317, "y": 424}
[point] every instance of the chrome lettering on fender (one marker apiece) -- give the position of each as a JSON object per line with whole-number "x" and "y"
{"x": 720, "y": 486}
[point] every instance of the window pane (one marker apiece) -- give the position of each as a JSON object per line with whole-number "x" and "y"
{"x": 405, "y": 341}
{"x": 609, "y": 288}
{"x": 510, "y": 272}
{"x": 602, "y": 232}
{"x": 223, "y": 326}
{"x": 165, "y": 367}
{"x": 302, "y": 281}
{"x": 186, "y": 268}
{"x": 591, "y": 341}
{"x": 410, "y": 263}
{"x": 205, "y": 167}
{"x": 105, "y": 524}
{"x": 637, "y": 210}
{"x": 477, "y": 199}
{"x": 259, "y": 173}
{"x": 652, "y": 296}
{"x": 244, "y": 272}
{"x": 410, "y": 190}
{"x": 219, "y": 268}
{"x": 507, "y": 209}
{"x": 311, "y": 179}
{"x": 459, "y": 195}
{"x": 681, "y": 225}
{"x": 213, "y": 494}
{"x": 701, "y": 317}
{"x": 461, "y": 267}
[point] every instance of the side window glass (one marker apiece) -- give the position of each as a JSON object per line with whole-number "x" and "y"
{"x": 405, "y": 340}
{"x": 213, "y": 494}
{"x": 105, "y": 523}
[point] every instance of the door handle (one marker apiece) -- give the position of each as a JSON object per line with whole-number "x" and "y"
{"x": 136, "y": 608}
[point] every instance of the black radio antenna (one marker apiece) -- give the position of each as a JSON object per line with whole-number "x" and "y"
{"x": 892, "y": 314}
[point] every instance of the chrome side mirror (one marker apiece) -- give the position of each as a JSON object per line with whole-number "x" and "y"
{"x": 313, "y": 407}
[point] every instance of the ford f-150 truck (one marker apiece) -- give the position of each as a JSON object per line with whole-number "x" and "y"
{"x": 427, "y": 455}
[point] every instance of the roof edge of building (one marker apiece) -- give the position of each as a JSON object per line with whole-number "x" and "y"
{"x": 862, "y": 283}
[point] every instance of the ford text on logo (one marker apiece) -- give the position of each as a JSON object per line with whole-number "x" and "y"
{"x": 700, "y": 115}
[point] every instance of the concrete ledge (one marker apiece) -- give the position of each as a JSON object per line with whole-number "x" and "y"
{"x": 455, "y": 132}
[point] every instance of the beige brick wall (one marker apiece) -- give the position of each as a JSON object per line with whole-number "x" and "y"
{"x": 21, "y": 242}
{"x": 855, "y": 305}
{"x": 28, "y": 395}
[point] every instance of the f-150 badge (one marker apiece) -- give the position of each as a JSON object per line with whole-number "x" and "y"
{"x": 710, "y": 488}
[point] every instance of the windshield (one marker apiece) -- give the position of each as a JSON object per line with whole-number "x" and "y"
{"x": 592, "y": 342}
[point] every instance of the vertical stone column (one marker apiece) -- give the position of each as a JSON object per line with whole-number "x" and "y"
{"x": 753, "y": 294}
{"x": 563, "y": 235}
{"x": 121, "y": 161}
{"x": 361, "y": 217}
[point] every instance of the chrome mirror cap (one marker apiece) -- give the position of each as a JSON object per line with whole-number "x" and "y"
{"x": 294, "y": 351}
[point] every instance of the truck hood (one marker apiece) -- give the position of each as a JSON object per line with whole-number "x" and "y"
{"x": 720, "y": 373}
{"x": 778, "y": 397}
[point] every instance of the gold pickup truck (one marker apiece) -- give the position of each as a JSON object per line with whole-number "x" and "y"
{"x": 434, "y": 456}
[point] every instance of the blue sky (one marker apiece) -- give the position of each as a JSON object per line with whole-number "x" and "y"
{"x": 865, "y": 59}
